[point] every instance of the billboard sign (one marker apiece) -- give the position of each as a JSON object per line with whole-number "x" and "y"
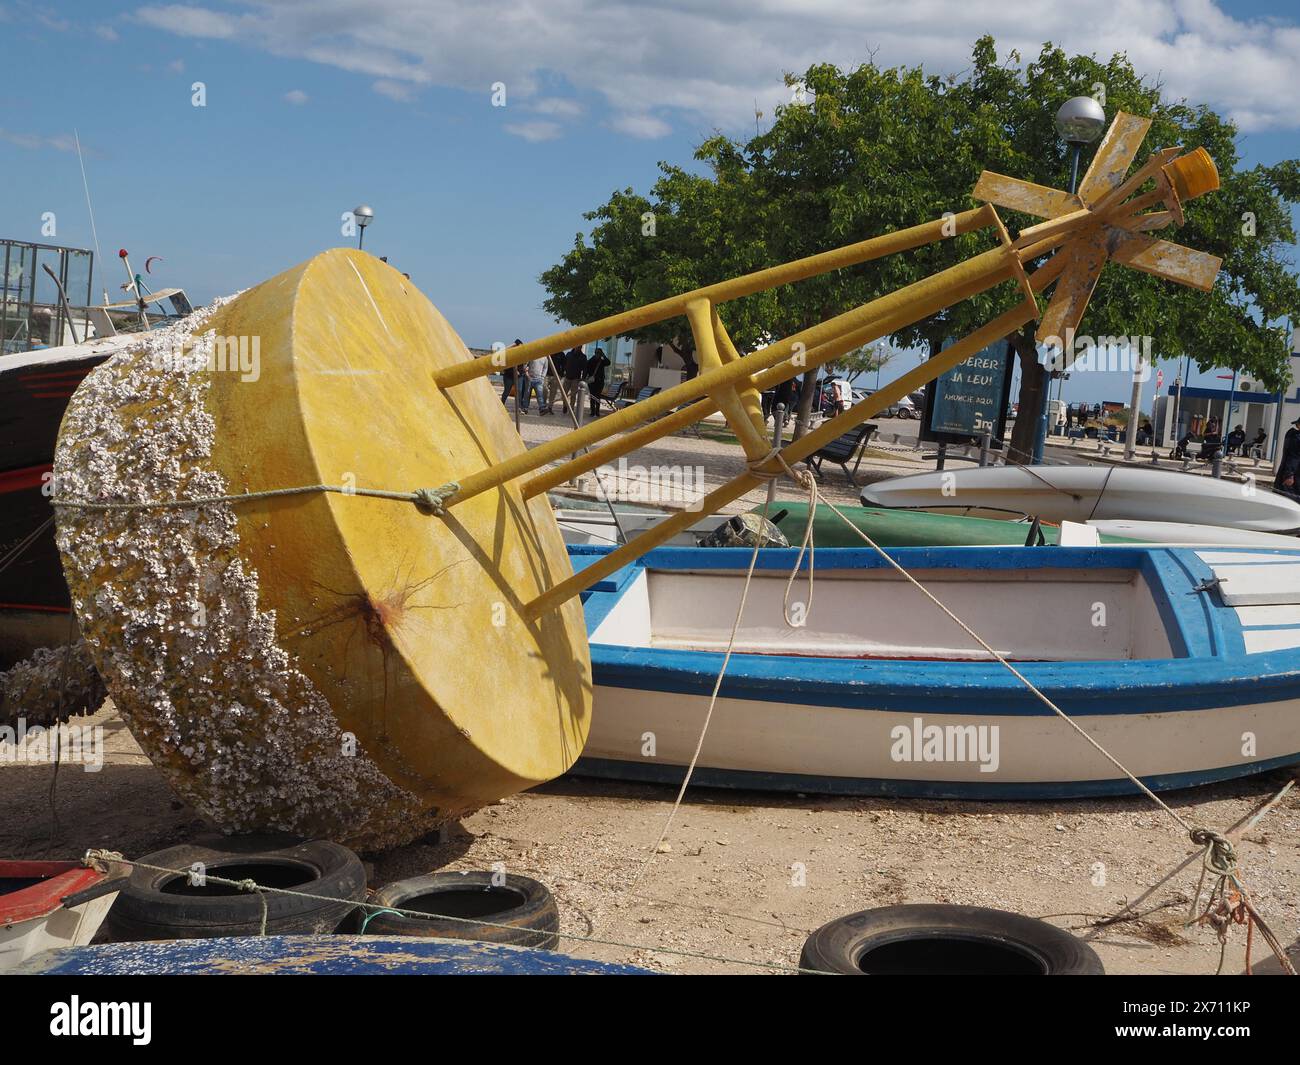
{"x": 971, "y": 398}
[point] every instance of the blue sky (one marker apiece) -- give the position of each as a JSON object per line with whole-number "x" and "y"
{"x": 314, "y": 107}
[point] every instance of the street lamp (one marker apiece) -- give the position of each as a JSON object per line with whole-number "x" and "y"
{"x": 1079, "y": 121}
{"x": 363, "y": 215}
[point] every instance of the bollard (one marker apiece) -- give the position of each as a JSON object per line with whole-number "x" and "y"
{"x": 986, "y": 441}
{"x": 577, "y": 409}
{"x": 1218, "y": 463}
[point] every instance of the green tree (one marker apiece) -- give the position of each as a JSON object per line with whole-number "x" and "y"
{"x": 862, "y": 151}
{"x": 864, "y": 360}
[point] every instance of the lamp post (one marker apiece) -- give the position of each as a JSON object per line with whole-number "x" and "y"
{"x": 363, "y": 214}
{"x": 1079, "y": 121}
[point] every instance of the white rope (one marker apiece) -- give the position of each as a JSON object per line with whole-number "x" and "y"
{"x": 103, "y": 859}
{"x": 708, "y": 716}
{"x": 1002, "y": 660}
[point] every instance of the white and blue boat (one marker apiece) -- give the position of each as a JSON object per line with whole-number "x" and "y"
{"x": 1182, "y": 662}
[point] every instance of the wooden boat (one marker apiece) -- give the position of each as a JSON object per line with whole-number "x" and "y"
{"x": 1184, "y": 663}
{"x": 906, "y": 528}
{"x": 316, "y": 955}
{"x": 48, "y": 905}
{"x": 888, "y": 528}
{"x": 1081, "y": 493}
{"x": 899, "y": 527}
{"x": 596, "y": 526}
{"x": 35, "y": 387}
{"x": 34, "y": 390}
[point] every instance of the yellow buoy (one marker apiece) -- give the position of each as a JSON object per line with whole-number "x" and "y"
{"x": 323, "y": 663}
{"x": 1193, "y": 174}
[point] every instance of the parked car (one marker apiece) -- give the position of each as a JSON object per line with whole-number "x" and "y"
{"x": 859, "y": 394}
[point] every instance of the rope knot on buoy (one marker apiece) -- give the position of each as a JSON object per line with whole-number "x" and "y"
{"x": 431, "y": 500}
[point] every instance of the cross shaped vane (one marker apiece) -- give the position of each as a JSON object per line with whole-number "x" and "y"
{"x": 1108, "y": 218}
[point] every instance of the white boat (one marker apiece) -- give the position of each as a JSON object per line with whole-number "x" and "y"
{"x": 599, "y": 527}
{"x": 1181, "y": 534}
{"x": 1082, "y": 493}
{"x": 48, "y": 905}
{"x": 1184, "y": 663}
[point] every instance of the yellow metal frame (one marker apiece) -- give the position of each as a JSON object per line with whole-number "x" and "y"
{"x": 1095, "y": 225}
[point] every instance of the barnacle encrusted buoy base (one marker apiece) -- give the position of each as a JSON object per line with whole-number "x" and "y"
{"x": 325, "y": 664}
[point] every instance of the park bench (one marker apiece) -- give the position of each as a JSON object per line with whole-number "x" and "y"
{"x": 614, "y": 399}
{"x": 844, "y": 449}
{"x": 645, "y": 393}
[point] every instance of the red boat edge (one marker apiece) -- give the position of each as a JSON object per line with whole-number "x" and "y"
{"x": 55, "y": 882}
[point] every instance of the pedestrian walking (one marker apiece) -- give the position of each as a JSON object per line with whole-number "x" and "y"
{"x": 1289, "y": 466}
{"x": 575, "y": 365}
{"x": 507, "y": 383}
{"x": 534, "y": 384}
{"x": 596, "y": 367}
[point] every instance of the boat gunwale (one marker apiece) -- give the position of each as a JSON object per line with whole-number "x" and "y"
{"x": 44, "y": 897}
{"x": 1214, "y": 670}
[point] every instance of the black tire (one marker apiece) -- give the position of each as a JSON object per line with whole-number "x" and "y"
{"x": 156, "y": 905}
{"x": 524, "y": 905}
{"x": 946, "y": 940}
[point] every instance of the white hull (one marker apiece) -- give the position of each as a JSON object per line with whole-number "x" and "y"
{"x": 1186, "y": 535}
{"x": 63, "y": 928}
{"x": 811, "y": 744}
{"x": 1083, "y": 493}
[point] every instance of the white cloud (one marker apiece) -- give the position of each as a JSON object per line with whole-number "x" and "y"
{"x": 106, "y": 33}
{"x": 559, "y": 106}
{"x": 52, "y": 22}
{"x": 394, "y": 90}
{"x": 646, "y": 127}
{"x": 60, "y": 142}
{"x": 707, "y": 63}
{"x": 296, "y": 97}
{"x": 534, "y": 131}
{"x": 189, "y": 21}
{"x": 176, "y": 66}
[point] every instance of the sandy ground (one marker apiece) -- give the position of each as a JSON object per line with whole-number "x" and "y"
{"x": 748, "y": 875}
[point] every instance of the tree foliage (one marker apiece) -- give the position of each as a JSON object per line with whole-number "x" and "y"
{"x": 866, "y": 150}
{"x": 864, "y": 360}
